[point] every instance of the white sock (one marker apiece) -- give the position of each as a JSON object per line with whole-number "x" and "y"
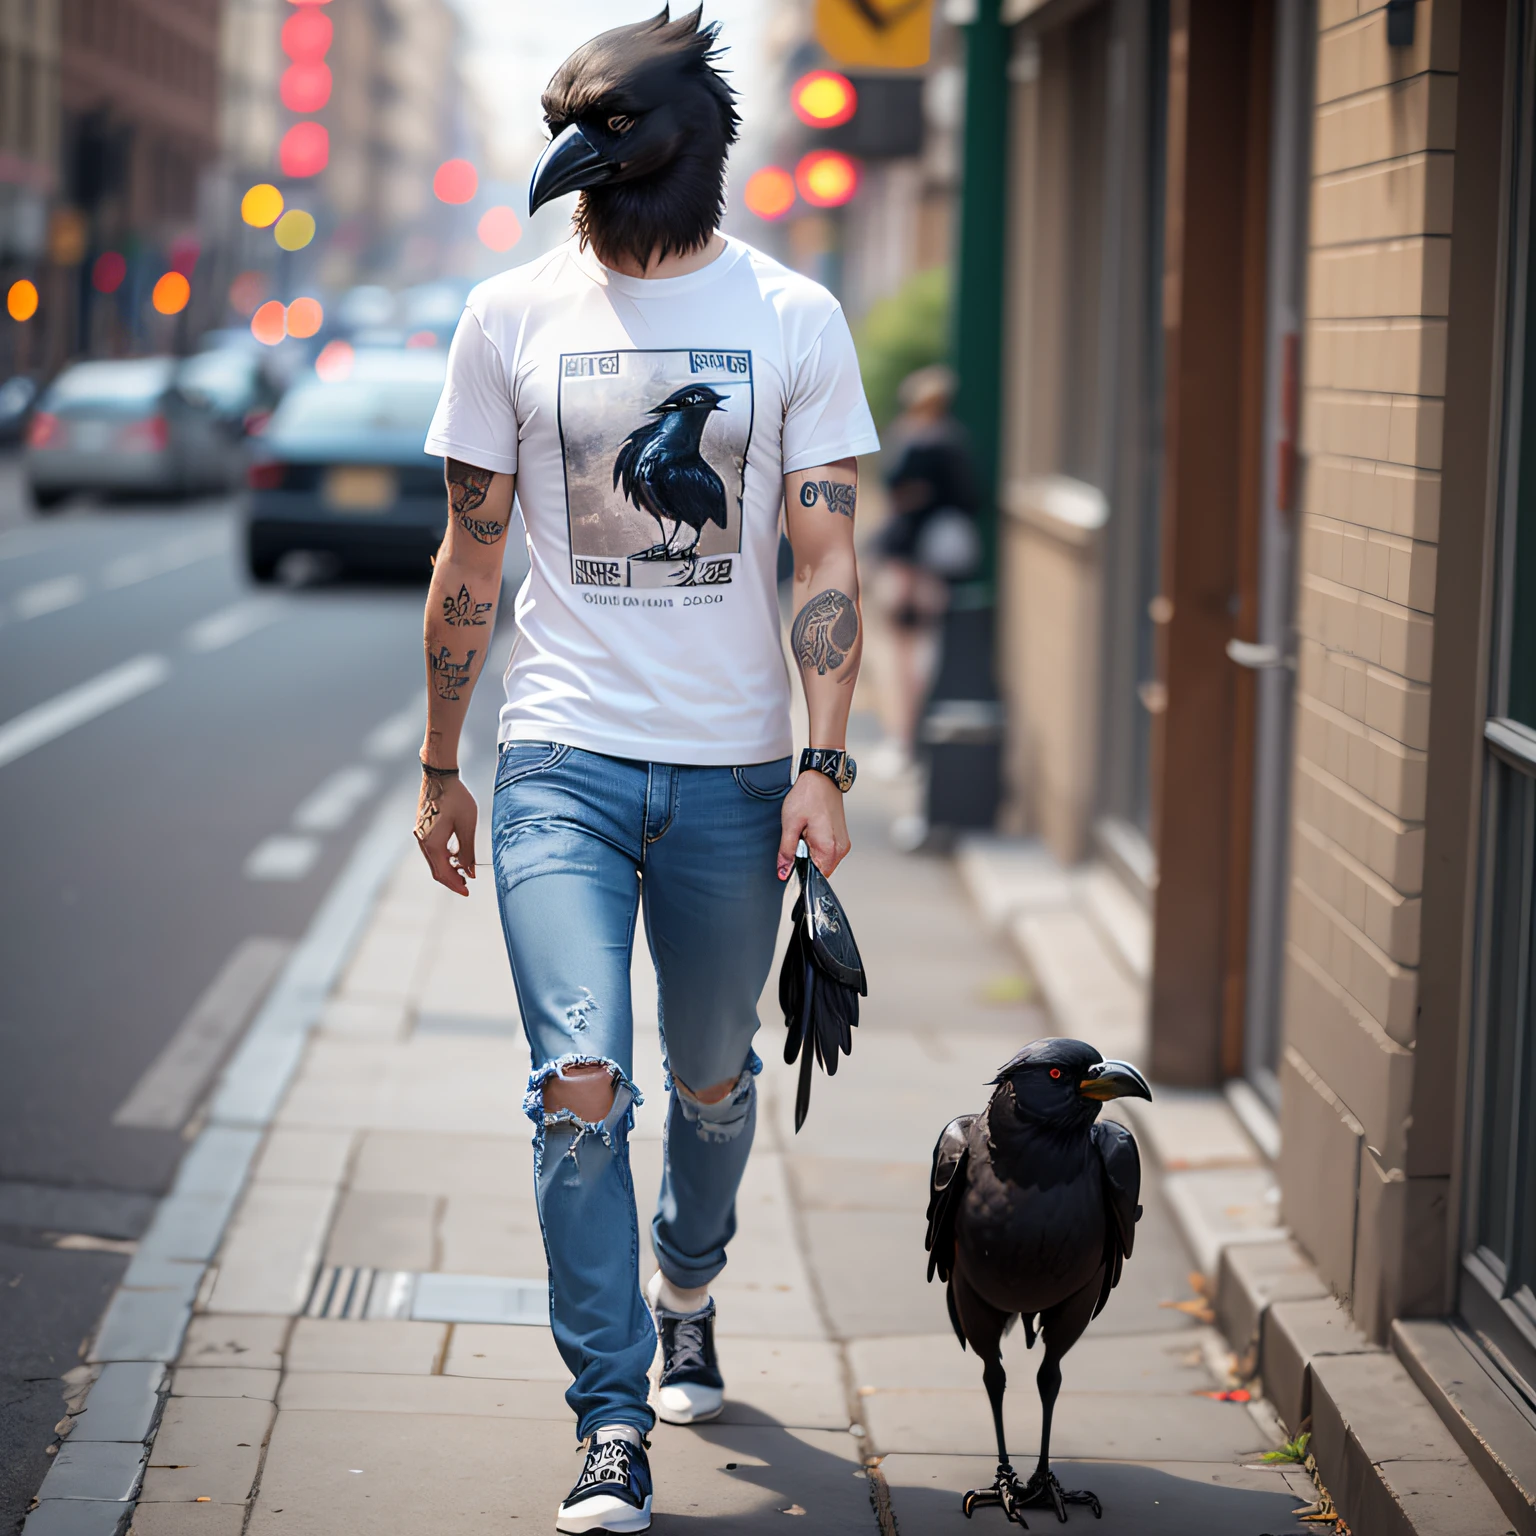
{"x": 665, "y": 1294}
{"x": 617, "y": 1432}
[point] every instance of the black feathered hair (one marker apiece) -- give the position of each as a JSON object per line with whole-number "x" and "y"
{"x": 677, "y": 207}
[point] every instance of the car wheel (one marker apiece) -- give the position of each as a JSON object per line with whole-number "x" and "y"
{"x": 46, "y": 501}
{"x": 261, "y": 557}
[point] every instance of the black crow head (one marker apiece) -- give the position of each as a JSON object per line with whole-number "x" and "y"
{"x": 1063, "y": 1082}
{"x": 640, "y": 121}
{"x": 691, "y": 397}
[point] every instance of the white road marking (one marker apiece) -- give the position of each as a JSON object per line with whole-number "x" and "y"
{"x": 282, "y": 858}
{"x": 48, "y": 596}
{"x": 173, "y": 555}
{"x": 167, "y": 1093}
{"x": 36, "y": 727}
{"x": 234, "y": 623}
{"x": 397, "y": 735}
{"x": 332, "y": 805}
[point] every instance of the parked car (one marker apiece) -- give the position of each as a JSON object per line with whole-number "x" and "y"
{"x": 234, "y": 383}
{"x": 127, "y": 426}
{"x": 339, "y": 470}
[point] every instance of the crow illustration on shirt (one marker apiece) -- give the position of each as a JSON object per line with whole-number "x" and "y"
{"x": 663, "y": 472}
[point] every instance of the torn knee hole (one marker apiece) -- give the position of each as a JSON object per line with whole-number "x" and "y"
{"x": 587, "y": 1090}
{"x": 707, "y": 1095}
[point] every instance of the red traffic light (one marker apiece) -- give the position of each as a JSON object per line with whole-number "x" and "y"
{"x": 770, "y": 192}
{"x": 306, "y": 36}
{"x": 824, "y": 99}
{"x": 827, "y": 178}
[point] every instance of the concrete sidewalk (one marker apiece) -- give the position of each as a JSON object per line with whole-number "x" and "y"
{"x": 341, "y": 1374}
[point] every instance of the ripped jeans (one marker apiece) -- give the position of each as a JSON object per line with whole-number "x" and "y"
{"x": 581, "y": 843}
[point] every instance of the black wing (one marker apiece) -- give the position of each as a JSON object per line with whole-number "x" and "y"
{"x": 946, "y": 1189}
{"x": 624, "y": 463}
{"x": 691, "y": 491}
{"x": 1122, "y": 1188}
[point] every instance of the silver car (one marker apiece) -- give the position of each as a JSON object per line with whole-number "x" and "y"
{"x": 126, "y": 426}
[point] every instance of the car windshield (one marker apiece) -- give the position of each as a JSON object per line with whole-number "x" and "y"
{"x": 139, "y": 382}
{"x": 393, "y": 404}
{"x": 222, "y": 377}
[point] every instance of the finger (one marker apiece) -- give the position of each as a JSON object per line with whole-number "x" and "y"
{"x": 466, "y": 841}
{"x": 794, "y": 830}
{"x": 823, "y": 850}
{"x": 436, "y": 850}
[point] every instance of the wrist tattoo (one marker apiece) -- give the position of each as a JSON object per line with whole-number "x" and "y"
{"x": 429, "y": 805}
{"x": 448, "y": 675}
{"x": 467, "y": 489}
{"x": 825, "y": 631}
{"x": 838, "y": 496}
{"x": 463, "y": 609}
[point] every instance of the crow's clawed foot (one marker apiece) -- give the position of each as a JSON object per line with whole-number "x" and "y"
{"x": 1006, "y": 1494}
{"x": 1043, "y": 1491}
{"x": 655, "y": 552}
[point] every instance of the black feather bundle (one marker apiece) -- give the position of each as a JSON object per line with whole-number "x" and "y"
{"x": 820, "y": 983}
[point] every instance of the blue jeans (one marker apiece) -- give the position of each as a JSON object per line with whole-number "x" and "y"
{"x": 580, "y": 843}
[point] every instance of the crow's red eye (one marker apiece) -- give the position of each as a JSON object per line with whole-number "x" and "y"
{"x": 1055, "y": 1071}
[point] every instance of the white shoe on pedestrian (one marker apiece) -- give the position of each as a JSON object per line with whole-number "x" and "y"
{"x": 613, "y": 1492}
{"x": 690, "y": 1389}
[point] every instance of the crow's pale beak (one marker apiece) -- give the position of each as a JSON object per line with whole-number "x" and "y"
{"x": 570, "y": 164}
{"x": 1114, "y": 1080}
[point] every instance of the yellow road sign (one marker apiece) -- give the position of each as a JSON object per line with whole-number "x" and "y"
{"x": 882, "y": 34}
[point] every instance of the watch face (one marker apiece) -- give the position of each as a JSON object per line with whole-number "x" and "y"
{"x": 849, "y": 773}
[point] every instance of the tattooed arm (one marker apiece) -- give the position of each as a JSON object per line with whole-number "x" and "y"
{"x": 827, "y": 640}
{"x": 461, "y": 615}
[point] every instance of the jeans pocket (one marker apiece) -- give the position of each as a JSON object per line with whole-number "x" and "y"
{"x": 521, "y": 759}
{"x": 764, "y": 781}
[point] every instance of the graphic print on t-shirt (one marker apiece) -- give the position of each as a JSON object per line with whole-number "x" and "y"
{"x": 655, "y": 450}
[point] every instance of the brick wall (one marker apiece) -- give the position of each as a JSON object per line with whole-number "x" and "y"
{"x": 1378, "y": 276}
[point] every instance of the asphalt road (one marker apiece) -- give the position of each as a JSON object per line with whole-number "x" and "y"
{"x": 185, "y": 762}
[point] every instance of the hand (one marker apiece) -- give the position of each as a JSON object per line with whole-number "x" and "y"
{"x": 813, "y": 809}
{"x": 446, "y": 811}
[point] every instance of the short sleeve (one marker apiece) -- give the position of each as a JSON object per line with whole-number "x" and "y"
{"x": 475, "y": 420}
{"x": 828, "y": 417}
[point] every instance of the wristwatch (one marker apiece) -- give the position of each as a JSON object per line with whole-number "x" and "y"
{"x": 835, "y": 763}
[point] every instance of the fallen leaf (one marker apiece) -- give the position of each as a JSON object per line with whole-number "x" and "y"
{"x": 794, "y": 1509}
{"x": 202, "y": 1498}
{"x": 1235, "y": 1395}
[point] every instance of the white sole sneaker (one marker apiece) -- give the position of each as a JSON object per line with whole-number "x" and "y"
{"x": 603, "y": 1514}
{"x": 689, "y": 1404}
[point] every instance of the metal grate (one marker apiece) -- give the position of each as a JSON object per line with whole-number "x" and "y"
{"x": 356, "y": 1293}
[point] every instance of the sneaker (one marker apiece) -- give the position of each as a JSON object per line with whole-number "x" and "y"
{"x": 690, "y": 1389}
{"x": 613, "y": 1492}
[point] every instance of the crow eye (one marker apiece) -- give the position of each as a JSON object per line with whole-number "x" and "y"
{"x": 1055, "y": 1071}
{"x": 620, "y": 123}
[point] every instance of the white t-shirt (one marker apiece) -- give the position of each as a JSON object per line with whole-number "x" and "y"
{"x": 650, "y": 422}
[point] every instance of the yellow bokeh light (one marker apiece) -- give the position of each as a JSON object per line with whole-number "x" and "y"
{"x": 295, "y": 229}
{"x": 21, "y": 300}
{"x": 261, "y": 205}
{"x": 824, "y": 99}
{"x": 171, "y": 293}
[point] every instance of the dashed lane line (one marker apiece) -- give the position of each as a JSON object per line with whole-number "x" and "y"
{"x": 174, "y": 555}
{"x": 233, "y": 623}
{"x": 282, "y": 857}
{"x": 332, "y": 805}
{"x": 43, "y": 723}
{"x": 48, "y": 596}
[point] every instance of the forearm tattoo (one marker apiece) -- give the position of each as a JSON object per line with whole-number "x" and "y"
{"x": 467, "y": 489}
{"x": 430, "y": 804}
{"x": 837, "y": 496}
{"x": 825, "y": 631}
{"x": 463, "y": 609}
{"x": 448, "y": 675}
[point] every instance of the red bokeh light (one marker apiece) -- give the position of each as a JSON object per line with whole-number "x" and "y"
{"x": 306, "y": 35}
{"x": 305, "y": 87}
{"x": 184, "y": 254}
{"x": 827, "y": 178}
{"x": 824, "y": 99}
{"x": 269, "y": 323}
{"x": 456, "y": 181}
{"x": 421, "y": 341}
{"x": 770, "y": 192}
{"x": 309, "y": 2}
{"x": 305, "y": 150}
{"x": 247, "y": 291}
{"x": 335, "y": 361}
{"x": 499, "y": 229}
{"x": 108, "y": 271}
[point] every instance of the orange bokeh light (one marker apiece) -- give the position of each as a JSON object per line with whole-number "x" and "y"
{"x": 304, "y": 318}
{"x": 267, "y": 324}
{"x": 335, "y": 361}
{"x": 770, "y": 192}
{"x": 824, "y": 98}
{"x": 455, "y": 181}
{"x": 246, "y": 292}
{"x": 499, "y": 229}
{"x": 827, "y": 178}
{"x": 306, "y": 35}
{"x": 171, "y": 293}
{"x": 305, "y": 87}
{"x": 21, "y": 299}
{"x": 305, "y": 149}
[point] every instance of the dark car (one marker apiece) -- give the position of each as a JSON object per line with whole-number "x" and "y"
{"x": 339, "y": 470}
{"x": 127, "y": 426}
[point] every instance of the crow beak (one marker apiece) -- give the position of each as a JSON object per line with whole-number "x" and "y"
{"x": 570, "y": 164}
{"x": 1114, "y": 1080}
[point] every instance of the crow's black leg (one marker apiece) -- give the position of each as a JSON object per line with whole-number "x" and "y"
{"x": 995, "y": 1379}
{"x": 1060, "y": 1329}
{"x": 983, "y": 1325}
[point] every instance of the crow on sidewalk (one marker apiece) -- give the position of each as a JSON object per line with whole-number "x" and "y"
{"x": 1031, "y": 1214}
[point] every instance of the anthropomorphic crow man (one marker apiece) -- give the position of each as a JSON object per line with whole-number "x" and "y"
{"x": 656, "y": 392}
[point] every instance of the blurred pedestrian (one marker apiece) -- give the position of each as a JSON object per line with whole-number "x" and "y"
{"x": 929, "y": 542}
{"x": 658, "y": 392}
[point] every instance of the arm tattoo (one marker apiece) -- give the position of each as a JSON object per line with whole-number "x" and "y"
{"x": 839, "y": 498}
{"x": 825, "y": 631}
{"x": 463, "y": 609}
{"x": 430, "y": 805}
{"x": 467, "y": 489}
{"x": 448, "y": 675}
